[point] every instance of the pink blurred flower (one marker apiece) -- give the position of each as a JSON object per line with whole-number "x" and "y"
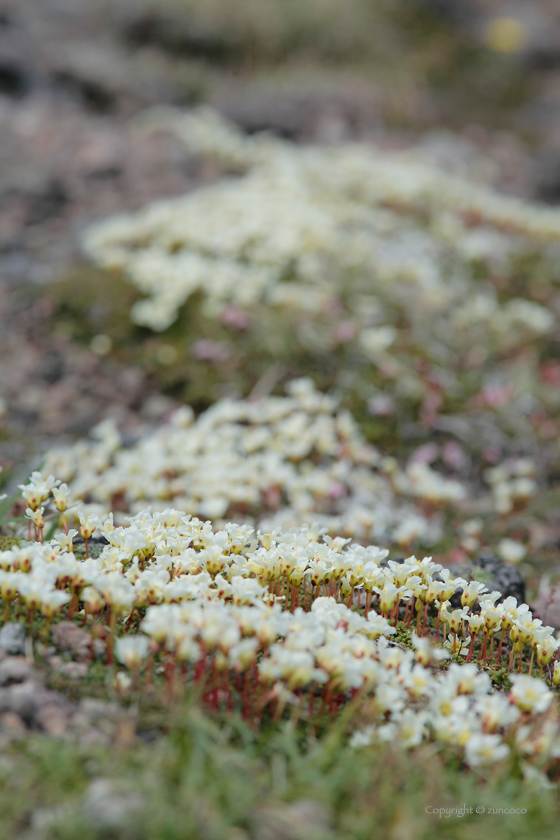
{"x": 492, "y": 454}
{"x": 336, "y": 490}
{"x": 235, "y": 317}
{"x": 210, "y": 351}
{"x": 345, "y": 331}
{"x": 425, "y": 454}
{"x": 453, "y": 455}
{"x": 381, "y": 405}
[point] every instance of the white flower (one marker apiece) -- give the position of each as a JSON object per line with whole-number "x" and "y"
{"x": 65, "y": 541}
{"x": 132, "y": 650}
{"x": 36, "y": 516}
{"x": 426, "y": 653}
{"x": 471, "y": 592}
{"x": 88, "y": 524}
{"x": 61, "y": 496}
{"x": 375, "y": 340}
{"x": 530, "y": 694}
{"x": 457, "y": 645}
{"x": 496, "y": 712}
{"x": 511, "y": 551}
{"x": 412, "y": 728}
{"x": 378, "y": 626}
{"x": 481, "y": 750}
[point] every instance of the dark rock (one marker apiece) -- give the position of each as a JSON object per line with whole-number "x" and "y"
{"x": 12, "y": 638}
{"x": 492, "y": 571}
{"x": 47, "y": 202}
{"x": 52, "y": 366}
{"x": 547, "y": 176}
{"x": 13, "y": 79}
{"x": 496, "y": 574}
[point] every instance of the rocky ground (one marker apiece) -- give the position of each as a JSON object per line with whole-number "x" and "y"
{"x": 72, "y": 74}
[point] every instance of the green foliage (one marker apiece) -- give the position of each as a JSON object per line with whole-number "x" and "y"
{"x": 209, "y": 780}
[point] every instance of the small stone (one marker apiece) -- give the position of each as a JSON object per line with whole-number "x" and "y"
{"x": 301, "y": 820}
{"x": 74, "y": 670}
{"x": 547, "y": 606}
{"x": 12, "y": 722}
{"x": 12, "y": 638}
{"x": 19, "y": 699}
{"x": 67, "y": 636}
{"x": 106, "y": 808}
{"x": 99, "y": 648}
{"x": 53, "y": 719}
{"x": 50, "y": 711}
{"x": 95, "y": 738}
{"x": 14, "y": 669}
{"x": 125, "y": 732}
{"x": 99, "y": 709}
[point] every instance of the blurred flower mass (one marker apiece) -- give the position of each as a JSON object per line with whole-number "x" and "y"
{"x": 279, "y": 418}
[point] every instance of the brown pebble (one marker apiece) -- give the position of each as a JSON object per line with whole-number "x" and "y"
{"x": 53, "y": 719}
{"x": 12, "y": 722}
{"x": 67, "y": 636}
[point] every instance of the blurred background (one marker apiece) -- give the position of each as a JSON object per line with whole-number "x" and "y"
{"x": 474, "y": 85}
{"x": 462, "y": 78}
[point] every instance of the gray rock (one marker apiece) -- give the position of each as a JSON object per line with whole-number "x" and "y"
{"x": 52, "y": 712}
{"x": 99, "y": 648}
{"x": 496, "y": 574}
{"x": 39, "y": 707}
{"x": 547, "y": 606}
{"x": 96, "y": 709}
{"x": 106, "y": 808}
{"x": 74, "y": 670}
{"x": 12, "y": 638}
{"x": 14, "y": 669}
{"x": 301, "y": 820}
{"x": 492, "y": 571}
{"x": 19, "y": 699}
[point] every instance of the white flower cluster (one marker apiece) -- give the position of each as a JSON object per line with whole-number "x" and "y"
{"x": 277, "y": 461}
{"x": 512, "y": 484}
{"x": 284, "y": 613}
{"x": 305, "y": 226}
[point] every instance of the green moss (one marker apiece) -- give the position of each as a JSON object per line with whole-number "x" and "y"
{"x": 88, "y": 302}
{"x": 9, "y": 542}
